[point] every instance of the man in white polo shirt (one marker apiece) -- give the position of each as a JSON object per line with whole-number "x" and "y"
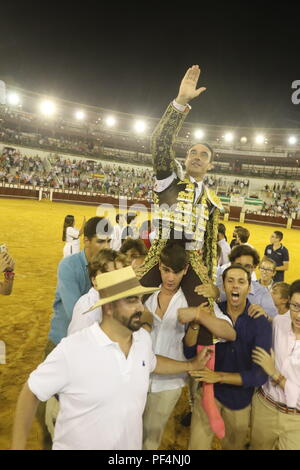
{"x": 101, "y": 374}
{"x": 104, "y": 261}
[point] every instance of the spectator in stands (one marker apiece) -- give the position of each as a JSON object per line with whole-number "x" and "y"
{"x": 276, "y": 405}
{"x": 116, "y": 239}
{"x": 222, "y": 242}
{"x": 247, "y": 257}
{"x": 279, "y": 254}
{"x": 280, "y": 296}
{"x": 267, "y": 268}
{"x": 55, "y": 171}
{"x": 7, "y": 265}
{"x": 235, "y": 376}
{"x": 71, "y": 236}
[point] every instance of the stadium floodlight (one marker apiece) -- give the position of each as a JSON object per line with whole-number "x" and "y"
{"x": 80, "y": 115}
{"x": 292, "y": 140}
{"x": 139, "y": 126}
{"x": 244, "y": 140}
{"x": 47, "y": 108}
{"x": 260, "y": 139}
{"x": 110, "y": 121}
{"x": 199, "y": 134}
{"x": 228, "y": 137}
{"x": 13, "y": 99}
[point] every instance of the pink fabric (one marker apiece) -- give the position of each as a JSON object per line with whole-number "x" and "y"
{"x": 208, "y": 400}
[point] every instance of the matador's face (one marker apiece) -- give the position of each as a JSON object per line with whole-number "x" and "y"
{"x": 198, "y": 161}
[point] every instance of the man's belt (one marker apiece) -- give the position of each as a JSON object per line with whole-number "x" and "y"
{"x": 279, "y": 406}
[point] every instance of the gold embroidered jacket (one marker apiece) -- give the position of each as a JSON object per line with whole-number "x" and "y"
{"x": 175, "y": 207}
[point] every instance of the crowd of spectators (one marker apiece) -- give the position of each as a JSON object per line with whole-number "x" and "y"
{"x": 115, "y": 179}
{"x": 86, "y": 139}
{"x": 276, "y": 191}
{"x": 59, "y": 172}
{"x": 285, "y": 207}
{"x": 75, "y": 145}
{"x": 83, "y": 175}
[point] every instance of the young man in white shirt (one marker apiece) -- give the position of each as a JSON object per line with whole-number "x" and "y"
{"x": 101, "y": 375}
{"x": 167, "y": 336}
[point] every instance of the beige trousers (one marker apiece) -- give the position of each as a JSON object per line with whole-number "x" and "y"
{"x": 273, "y": 429}
{"x": 52, "y": 409}
{"x": 159, "y": 407}
{"x": 236, "y": 426}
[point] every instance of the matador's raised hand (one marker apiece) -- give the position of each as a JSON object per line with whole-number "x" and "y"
{"x": 187, "y": 90}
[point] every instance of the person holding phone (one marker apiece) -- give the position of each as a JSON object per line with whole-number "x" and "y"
{"x": 7, "y": 265}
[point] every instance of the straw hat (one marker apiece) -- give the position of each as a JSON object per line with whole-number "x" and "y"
{"x": 118, "y": 284}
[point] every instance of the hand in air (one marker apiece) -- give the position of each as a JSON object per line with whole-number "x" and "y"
{"x": 187, "y": 89}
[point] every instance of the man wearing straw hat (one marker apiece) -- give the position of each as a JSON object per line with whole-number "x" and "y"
{"x": 101, "y": 374}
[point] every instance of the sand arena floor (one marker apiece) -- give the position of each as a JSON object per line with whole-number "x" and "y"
{"x": 32, "y": 230}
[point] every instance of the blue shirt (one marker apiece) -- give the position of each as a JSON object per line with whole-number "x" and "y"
{"x": 258, "y": 295}
{"x": 73, "y": 282}
{"x": 235, "y": 357}
{"x": 279, "y": 256}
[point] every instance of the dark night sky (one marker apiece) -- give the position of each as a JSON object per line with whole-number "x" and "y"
{"x": 131, "y": 57}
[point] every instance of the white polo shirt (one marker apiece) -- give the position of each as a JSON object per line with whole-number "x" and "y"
{"x": 167, "y": 335}
{"x": 81, "y": 320}
{"x": 102, "y": 393}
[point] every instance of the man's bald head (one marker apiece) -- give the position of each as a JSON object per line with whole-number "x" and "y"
{"x": 203, "y": 148}
{"x": 199, "y": 160}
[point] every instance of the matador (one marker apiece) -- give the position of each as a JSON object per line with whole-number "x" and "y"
{"x": 185, "y": 208}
